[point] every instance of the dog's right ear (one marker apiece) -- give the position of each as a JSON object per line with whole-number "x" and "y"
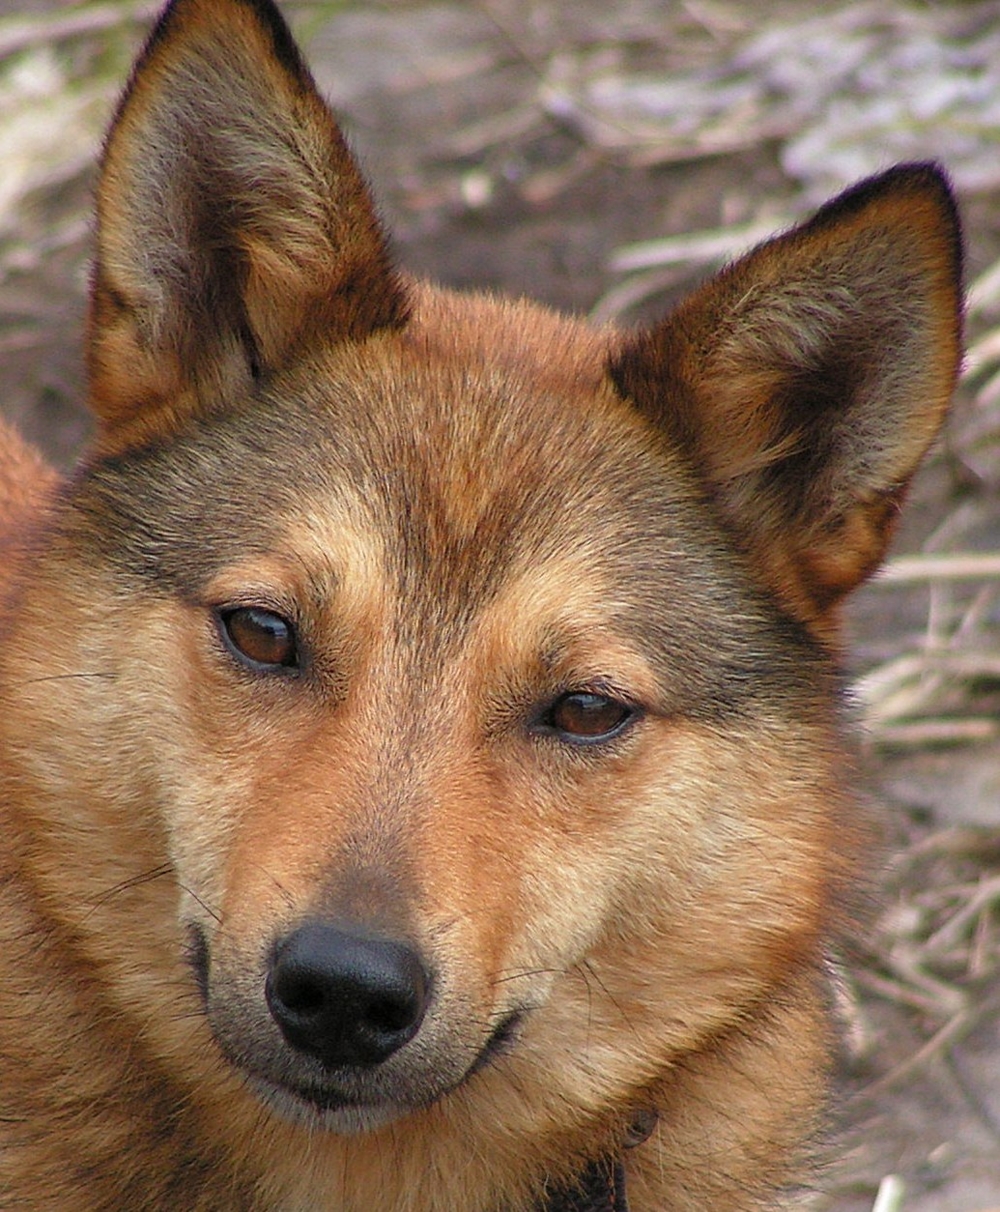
{"x": 233, "y": 225}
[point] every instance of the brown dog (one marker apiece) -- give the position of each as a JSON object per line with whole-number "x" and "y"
{"x": 421, "y": 763}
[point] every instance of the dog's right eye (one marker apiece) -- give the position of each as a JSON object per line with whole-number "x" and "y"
{"x": 261, "y": 638}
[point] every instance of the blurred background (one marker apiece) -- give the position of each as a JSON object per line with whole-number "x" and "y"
{"x": 604, "y": 157}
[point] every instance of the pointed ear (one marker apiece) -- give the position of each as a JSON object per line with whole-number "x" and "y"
{"x": 233, "y": 226}
{"x": 806, "y": 381}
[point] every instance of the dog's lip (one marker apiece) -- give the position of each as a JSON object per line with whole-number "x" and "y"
{"x": 196, "y": 954}
{"x": 325, "y": 1099}
{"x": 500, "y": 1041}
{"x": 325, "y": 1110}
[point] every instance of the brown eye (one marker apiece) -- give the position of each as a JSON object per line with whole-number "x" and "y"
{"x": 581, "y": 716}
{"x": 260, "y": 637}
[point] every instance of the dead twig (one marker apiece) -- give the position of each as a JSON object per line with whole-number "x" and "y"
{"x": 964, "y": 566}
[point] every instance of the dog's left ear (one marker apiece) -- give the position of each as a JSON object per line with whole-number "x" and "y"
{"x": 806, "y": 381}
{"x": 234, "y": 226}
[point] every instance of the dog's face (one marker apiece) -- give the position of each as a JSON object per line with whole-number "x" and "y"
{"x": 458, "y": 661}
{"x": 454, "y": 678}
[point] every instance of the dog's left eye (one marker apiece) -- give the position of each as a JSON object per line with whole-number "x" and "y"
{"x": 261, "y": 637}
{"x": 585, "y": 717}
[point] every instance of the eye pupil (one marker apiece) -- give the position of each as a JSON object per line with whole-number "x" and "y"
{"x": 262, "y": 636}
{"x": 588, "y": 716}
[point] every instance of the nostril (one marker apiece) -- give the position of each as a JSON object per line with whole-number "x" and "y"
{"x": 345, "y": 998}
{"x": 390, "y": 1015}
{"x": 299, "y": 995}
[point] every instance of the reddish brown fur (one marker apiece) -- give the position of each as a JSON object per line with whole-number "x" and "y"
{"x": 466, "y": 509}
{"x": 26, "y": 482}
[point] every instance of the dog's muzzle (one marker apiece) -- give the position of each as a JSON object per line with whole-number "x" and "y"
{"x": 345, "y": 1028}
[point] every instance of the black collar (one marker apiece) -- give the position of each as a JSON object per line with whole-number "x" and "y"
{"x": 600, "y": 1188}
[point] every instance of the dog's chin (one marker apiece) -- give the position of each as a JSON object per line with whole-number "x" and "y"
{"x": 316, "y": 1112}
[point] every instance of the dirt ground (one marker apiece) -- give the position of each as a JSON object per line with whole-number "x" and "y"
{"x": 531, "y": 145}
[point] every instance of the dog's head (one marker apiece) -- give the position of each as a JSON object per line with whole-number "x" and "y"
{"x": 464, "y": 672}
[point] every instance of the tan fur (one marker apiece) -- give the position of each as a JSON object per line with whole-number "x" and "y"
{"x": 465, "y": 509}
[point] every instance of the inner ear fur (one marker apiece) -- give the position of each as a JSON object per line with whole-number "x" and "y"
{"x": 233, "y": 223}
{"x": 806, "y": 381}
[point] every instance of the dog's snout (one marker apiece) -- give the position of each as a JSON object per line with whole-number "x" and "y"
{"x": 346, "y": 998}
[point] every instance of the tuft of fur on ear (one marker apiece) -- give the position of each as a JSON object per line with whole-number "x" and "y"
{"x": 806, "y": 381}
{"x": 233, "y": 226}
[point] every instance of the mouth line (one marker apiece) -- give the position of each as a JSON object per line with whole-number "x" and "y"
{"x": 196, "y": 954}
{"x": 351, "y": 1113}
{"x": 501, "y": 1040}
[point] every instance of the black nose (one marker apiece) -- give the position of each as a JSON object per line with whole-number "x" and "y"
{"x": 346, "y": 998}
